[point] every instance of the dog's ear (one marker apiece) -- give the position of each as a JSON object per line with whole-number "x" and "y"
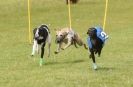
{"x": 34, "y": 30}
{"x": 88, "y": 31}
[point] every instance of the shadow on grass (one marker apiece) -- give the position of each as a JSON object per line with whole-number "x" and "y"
{"x": 106, "y": 68}
{"x": 68, "y": 62}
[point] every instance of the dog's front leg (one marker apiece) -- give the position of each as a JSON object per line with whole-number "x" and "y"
{"x": 58, "y": 48}
{"x": 49, "y": 44}
{"x": 68, "y": 44}
{"x": 37, "y": 48}
{"x": 34, "y": 48}
{"x": 42, "y": 54}
{"x": 93, "y": 59}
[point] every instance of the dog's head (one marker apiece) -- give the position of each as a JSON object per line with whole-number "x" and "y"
{"x": 39, "y": 32}
{"x": 60, "y": 36}
{"x": 92, "y": 32}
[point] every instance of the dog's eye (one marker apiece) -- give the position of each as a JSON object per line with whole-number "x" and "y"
{"x": 61, "y": 35}
{"x": 56, "y": 35}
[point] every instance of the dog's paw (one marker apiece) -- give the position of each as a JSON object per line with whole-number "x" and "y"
{"x": 56, "y": 52}
{"x": 31, "y": 55}
{"x": 94, "y": 66}
{"x": 63, "y": 48}
{"x": 86, "y": 48}
{"x": 76, "y": 46}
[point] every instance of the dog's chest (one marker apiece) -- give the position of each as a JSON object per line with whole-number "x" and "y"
{"x": 65, "y": 40}
{"x": 40, "y": 41}
{"x": 96, "y": 43}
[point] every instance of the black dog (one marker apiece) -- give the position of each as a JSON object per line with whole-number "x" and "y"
{"x": 96, "y": 42}
{"x": 41, "y": 35}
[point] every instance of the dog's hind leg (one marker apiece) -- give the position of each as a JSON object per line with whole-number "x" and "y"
{"x": 99, "y": 52}
{"x": 85, "y": 46}
{"x": 74, "y": 42}
{"x": 81, "y": 43}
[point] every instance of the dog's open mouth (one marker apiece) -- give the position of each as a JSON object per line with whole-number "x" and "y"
{"x": 58, "y": 40}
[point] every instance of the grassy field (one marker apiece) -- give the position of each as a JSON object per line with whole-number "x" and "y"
{"x": 18, "y": 69}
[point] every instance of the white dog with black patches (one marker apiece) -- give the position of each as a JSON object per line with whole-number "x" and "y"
{"x": 41, "y": 36}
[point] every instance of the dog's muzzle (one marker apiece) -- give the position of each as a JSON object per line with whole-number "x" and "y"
{"x": 57, "y": 40}
{"x": 36, "y": 38}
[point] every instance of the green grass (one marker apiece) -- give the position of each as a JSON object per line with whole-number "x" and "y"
{"x": 18, "y": 69}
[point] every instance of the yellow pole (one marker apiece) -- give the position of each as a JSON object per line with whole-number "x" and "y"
{"x": 29, "y": 21}
{"x": 69, "y": 13}
{"x": 105, "y": 15}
